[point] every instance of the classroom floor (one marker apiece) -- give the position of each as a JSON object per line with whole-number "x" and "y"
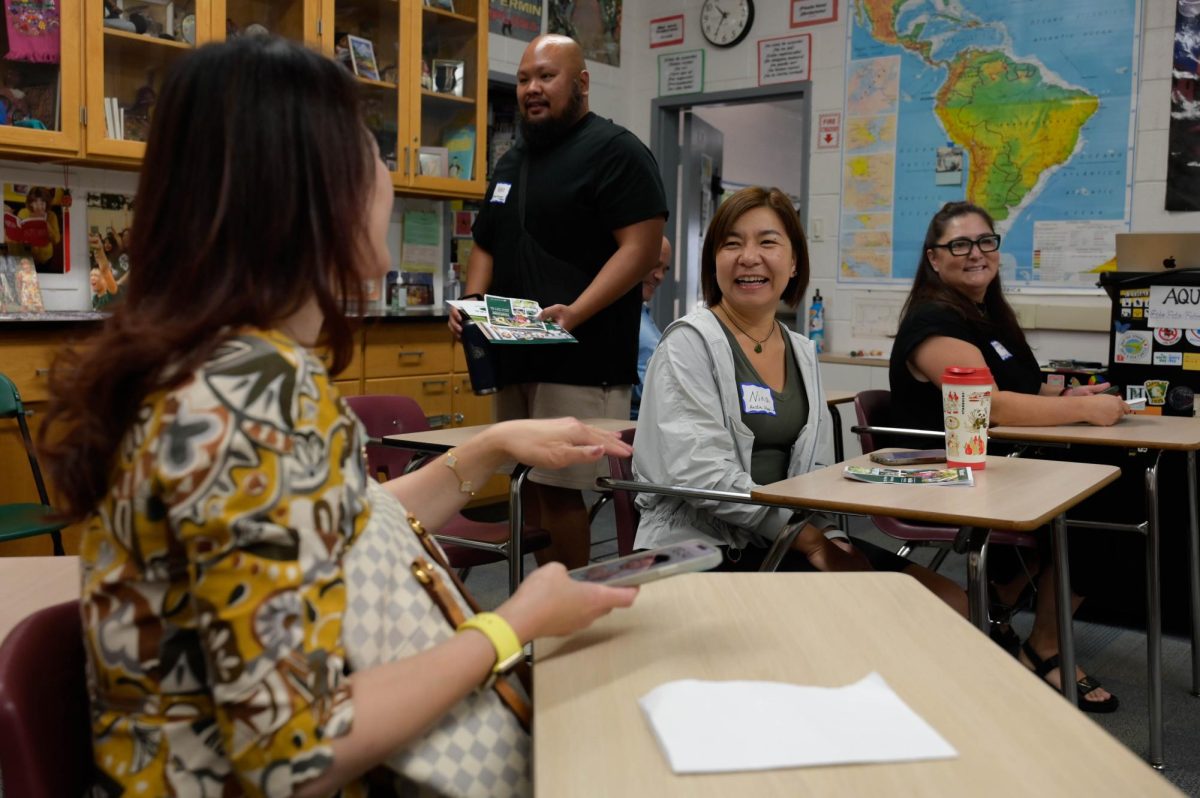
{"x": 1115, "y": 655}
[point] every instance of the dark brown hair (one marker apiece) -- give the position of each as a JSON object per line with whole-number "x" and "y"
{"x": 723, "y": 221}
{"x": 928, "y": 287}
{"x": 250, "y": 204}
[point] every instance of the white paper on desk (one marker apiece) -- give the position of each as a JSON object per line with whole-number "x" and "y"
{"x": 713, "y": 727}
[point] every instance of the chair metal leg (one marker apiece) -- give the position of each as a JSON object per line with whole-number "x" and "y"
{"x": 1066, "y": 639}
{"x": 1194, "y": 568}
{"x": 516, "y": 524}
{"x": 463, "y": 573}
{"x": 56, "y": 538}
{"x": 598, "y": 505}
{"x": 977, "y": 597}
{"x": 1154, "y": 616}
{"x": 938, "y": 559}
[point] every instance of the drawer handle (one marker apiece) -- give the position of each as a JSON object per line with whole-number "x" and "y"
{"x": 439, "y": 421}
{"x": 412, "y": 353}
{"x": 459, "y": 418}
{"x": 434, "y": 383}
{"x": 40, "y": 372}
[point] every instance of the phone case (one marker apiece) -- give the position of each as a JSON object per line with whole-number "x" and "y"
{"x": 909, "y": 458}
{"x": 706, "y": 557}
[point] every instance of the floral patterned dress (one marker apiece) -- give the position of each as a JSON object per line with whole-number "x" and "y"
{"x": 213, "y": 590}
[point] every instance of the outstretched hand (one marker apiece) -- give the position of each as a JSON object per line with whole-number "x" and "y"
{"x": 556, "y": 443}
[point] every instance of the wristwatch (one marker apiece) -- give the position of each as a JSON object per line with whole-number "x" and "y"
{"x": 509, "y": 650}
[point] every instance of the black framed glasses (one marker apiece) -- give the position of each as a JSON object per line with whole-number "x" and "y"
{"x": 962, "y": 246}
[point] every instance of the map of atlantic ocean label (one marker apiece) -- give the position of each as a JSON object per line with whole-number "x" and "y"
{"x": 1039, "y": 99}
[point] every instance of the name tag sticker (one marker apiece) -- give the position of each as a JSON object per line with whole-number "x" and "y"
{"x": 500, "y": 193}
{"x": 757, "y": 399}
{"x": 1001, "y": 351}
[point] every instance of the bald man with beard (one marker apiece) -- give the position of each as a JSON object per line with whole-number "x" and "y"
{"x": 573, "y": 218}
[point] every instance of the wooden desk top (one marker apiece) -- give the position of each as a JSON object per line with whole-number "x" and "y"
{"x": 1011, "y": 493}
{"x": 839, "y": 397}
{"x": 1014, "y": 735}
{"x": 28, "y": 584}
{"x": 1135, "y": 432}
{"x": 441, "y": 440}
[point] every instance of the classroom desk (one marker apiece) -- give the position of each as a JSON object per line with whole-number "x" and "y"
{"x": 1157, "y": 434}
{"x": 1013, "y": 735}
{"x": 1010, "y": 493}
{"x": 436, "y": 441}
{"x": 28, "y": 584}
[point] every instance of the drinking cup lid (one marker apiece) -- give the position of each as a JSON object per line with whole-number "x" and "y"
{"x": 967, "y": 375}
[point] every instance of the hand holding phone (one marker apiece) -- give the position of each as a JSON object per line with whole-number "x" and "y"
{"x": 652, "y": 564}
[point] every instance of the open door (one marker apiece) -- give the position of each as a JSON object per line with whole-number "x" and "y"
{"x": 699, "y": 193}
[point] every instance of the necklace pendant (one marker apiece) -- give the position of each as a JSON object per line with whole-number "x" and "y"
{"x": 758, "y": 348}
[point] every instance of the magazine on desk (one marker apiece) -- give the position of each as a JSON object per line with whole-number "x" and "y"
{"x": 932, "y": 476}
{"x": 504, "y": 320}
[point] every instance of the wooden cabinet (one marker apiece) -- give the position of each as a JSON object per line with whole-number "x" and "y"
{"x": 426, "y": 101}
{"x": 421, "y": 66}
{"x": 40, "y": 111}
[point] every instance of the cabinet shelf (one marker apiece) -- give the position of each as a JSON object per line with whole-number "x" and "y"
{"x": 438, "y": 96}
{"x": 141, "y": 38}
{"x": 443, "y": 13}
{"x": 375, "y": 84}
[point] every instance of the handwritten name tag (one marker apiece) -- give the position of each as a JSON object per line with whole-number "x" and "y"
{"x": 1001, "y": 351}
{"x": 500, "y": 193}
{"x": 757, "y": 399}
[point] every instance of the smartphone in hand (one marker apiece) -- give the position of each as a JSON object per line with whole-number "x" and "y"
{"x": 652, "y": 564}
{"x": 915, "y": 457}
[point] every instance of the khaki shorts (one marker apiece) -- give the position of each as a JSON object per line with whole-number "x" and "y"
{"x": 554, "y": 400}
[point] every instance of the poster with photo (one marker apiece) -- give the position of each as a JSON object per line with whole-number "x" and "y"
{"x": 517, "y": 19}
{"x": 36, "y": 225}
{"x": 109, "y": 219}
{"x": 1183, "y": 143}
{"x": 20, "y": 291}
{"x": 595, "y": 24}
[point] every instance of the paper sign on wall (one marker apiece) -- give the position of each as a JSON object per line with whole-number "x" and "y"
{"x": 813, "y": 12}
{"x": 784, "y": 59}
{"x": 666, "y": 31}
{"x": 681, "y": 73}
{"x": 829, "y": 131}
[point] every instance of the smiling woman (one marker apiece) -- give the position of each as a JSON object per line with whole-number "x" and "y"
{"x": 733, "y": 400}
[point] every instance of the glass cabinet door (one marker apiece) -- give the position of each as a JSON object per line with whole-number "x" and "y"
{"x": 366, "y": 40}
{"x": 291, "y": 19}
{"x": 446, "y": 128}
{"x": 131, "y": 44}
{"x": 40, "y": 77}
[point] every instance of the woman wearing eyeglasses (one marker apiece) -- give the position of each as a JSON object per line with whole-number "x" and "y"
{"x": 956, "y": 315}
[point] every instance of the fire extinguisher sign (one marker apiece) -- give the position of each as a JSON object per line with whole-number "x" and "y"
{"x": 829, "y": 131}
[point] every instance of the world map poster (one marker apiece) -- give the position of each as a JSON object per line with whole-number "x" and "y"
{"x": 1038, "y": 96}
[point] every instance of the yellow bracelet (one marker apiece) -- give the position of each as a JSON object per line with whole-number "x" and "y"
{"x": 464, "y": 485}
{"x": 502, "y": 637}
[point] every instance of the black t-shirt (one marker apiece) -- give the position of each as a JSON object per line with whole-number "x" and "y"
{"x": 918, "y": 405}
{"x": 597, "y": 179}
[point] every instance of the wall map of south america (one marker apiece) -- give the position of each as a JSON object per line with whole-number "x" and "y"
{"x": 1037, "y": 97}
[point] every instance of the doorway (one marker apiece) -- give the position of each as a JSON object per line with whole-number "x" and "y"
{"x": 711, "y": 144}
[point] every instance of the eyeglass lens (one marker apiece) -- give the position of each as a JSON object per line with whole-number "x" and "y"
{"x": 962, "y": 246}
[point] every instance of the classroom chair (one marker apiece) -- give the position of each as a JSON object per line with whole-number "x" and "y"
{"x": 25, "y": 519}
{"x": 45, "y": 725}
{"x": 624, "y": 509}
{"x": 467, "y": 543}
{"x": 873, "y": 409}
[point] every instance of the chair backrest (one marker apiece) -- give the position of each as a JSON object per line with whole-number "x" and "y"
{"x": 388, "y": 414}
{"x": 45, "y": 725}
{"x": 623, "y": 507}
{"x": 12, "y": 407}
{"x": 871, "y": 408}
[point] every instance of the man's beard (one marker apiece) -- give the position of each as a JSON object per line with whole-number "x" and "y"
{"x": 549, "y": 131}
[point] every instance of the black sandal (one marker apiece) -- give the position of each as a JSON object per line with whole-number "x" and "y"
{"x": 1004, "y": 636}
{"x": 1042, "y": 667}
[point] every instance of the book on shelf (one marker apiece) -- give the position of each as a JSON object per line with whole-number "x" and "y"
{"x": 927, "y": 476}
{"x": 505, "y": 320}
{"x": 460, "y": 148}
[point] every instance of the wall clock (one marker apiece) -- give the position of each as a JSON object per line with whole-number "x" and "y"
{"x": 726, "y": 22}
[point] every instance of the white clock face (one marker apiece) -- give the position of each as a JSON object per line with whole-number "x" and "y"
{"x": 726, "y": 22}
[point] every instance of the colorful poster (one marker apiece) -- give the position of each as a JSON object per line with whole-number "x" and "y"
{"x": 595, "y": 24}
{"x": 109, "y": 219}
{"x": 36, "y": 224}
{"x": 1183, "y": 160}
{"x": 517, "y": 19}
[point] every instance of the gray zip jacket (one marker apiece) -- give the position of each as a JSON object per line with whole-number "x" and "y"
{"x": 690, "y": 433}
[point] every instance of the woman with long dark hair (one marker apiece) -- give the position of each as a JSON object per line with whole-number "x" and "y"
{"x": 224, "y": 482}
{"x": 956, "y": 315}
